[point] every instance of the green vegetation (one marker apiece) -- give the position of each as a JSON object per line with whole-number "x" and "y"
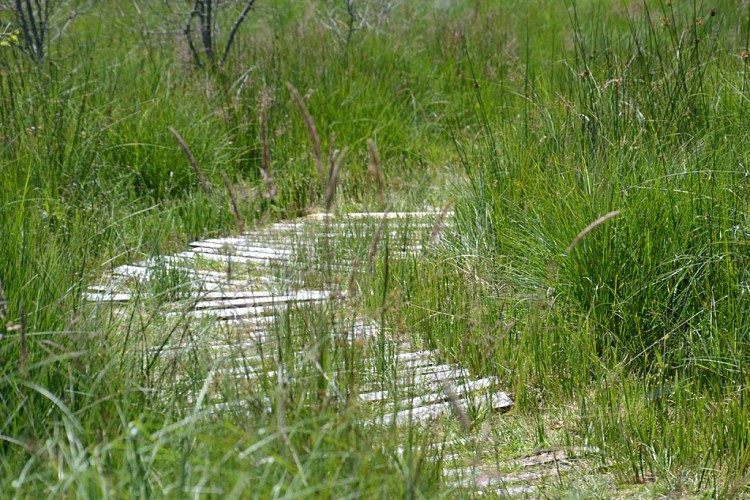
{"x": 536, "y": 117}
{"x": 650, "y": 309}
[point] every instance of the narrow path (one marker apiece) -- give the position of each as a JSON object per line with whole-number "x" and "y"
{"x": 242, "y": 284}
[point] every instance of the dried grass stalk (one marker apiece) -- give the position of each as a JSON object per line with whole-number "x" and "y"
{"x": 598, "y": 222}
{"x": 331, "y": 154}
{"x": 311, "y": 129}
{"x": 265, "y": 168}
{"x": 24, "y": 355}
{"x": 333, "y": 176}
{"x": 281, "y": 386}
{"x": 233, "y": 199}
{"x": 193, "y": 163}
{"x": 374, "y": 173}
{"x": 376, "y": 240}
{"x": 3, "y": 303}
{"x": 438, "y": 227}
{"x": 352, "y": 288}
{"x": 456, "y": 404}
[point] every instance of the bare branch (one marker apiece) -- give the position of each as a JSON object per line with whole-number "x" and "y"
{"x": 207, "y": 27}
{"x": 188, "y": 35}
{"x": 33, "y": 19}
{"x": 236, "y": 27}
{"x": 34, "y": 31}
{"x": 352, "y": 18}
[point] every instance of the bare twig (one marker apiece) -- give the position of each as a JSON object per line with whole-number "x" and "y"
{"x": 236, "y": 27}
{"x": 207, "y": 25}
{"x": 352, "y": 18}
{"x": 191, "y": 45}
{"x": 193, "y": 163}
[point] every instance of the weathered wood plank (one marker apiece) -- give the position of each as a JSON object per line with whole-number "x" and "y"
{"x": 497, "y": 401}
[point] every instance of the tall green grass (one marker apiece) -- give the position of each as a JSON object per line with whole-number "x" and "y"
{"x": 91, "y": 177}
{"x": 539, "y": 117}
{"x": 639, "y": 108}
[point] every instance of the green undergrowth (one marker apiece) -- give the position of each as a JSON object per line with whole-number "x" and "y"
{"x": 606, "y": 219}
{"x": 146, "y": 411}
{"x": 536, "y": 117}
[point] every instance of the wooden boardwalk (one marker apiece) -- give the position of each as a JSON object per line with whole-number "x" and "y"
{"x": 242, "y": 284}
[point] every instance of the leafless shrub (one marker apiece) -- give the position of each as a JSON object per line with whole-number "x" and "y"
{"x": 206, "y": 11}
{"x": 41, "y": 22}
{"x": 33, "y": 19}
{"x": 203, "y": 25}
{"x": 344, "y": 17}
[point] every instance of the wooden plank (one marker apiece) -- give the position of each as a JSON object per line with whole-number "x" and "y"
{"x": 497, "y": 401}
{"x": 461, "y": 390}
{"x": 245, "y": 250}
{"x": 268, "y": 299}
{"x": 106, "y": 297}
{"x": 376, "y": 215}
{"x": 234, "y": 259}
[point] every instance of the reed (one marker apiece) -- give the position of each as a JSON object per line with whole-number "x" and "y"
{"x": 191, "y": 158}
{"x": 233, "y": 200}
{"x": 265, "y": 169}
{"x": 333, "y": 177}
{"x": 590, "y": 228}
{"x": 374, "y": 174}
{"x": 312, "y": 130}
{"x": 376, "y": 241}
